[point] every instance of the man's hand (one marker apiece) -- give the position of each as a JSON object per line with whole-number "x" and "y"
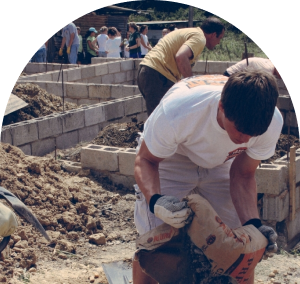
{"x": 69, "y": 49}
{"x": 170, "y": 210}
{"x": 60, "y": 53}
{"x": 269, "y": 234}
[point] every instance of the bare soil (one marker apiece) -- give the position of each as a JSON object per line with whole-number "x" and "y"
{"x": 40, "y": 103}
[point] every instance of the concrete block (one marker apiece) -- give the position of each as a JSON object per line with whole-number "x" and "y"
{"x": 99, "y": 91}
{"x": 44, "y": 77}
{"x": 26, "y": 149}
{"x": 28, "y": 78}
{"x": 94, "y": 115}
{"x": 128, "y": 91}
{"x": 100, "y": 158}
{"x": 74, "y": 74}
{"x": 275, "y": 208}
{"x": 142, "y": 116}
{"x": 87, "y": 101}
{"x": 130, "y": 75}
{"x": 217, "y": 67}
{"x": 95, "y": 80}
{"x": 271, "y": 179}
{"x": 114, "y": 109}
{"x": 120, "y": 77}
{"x": 133, "y": 105}
{"x": 77, "y": 90}
{"x": 72, "y": 120}
{"x": 31, "y": 68}
{"x": 67, "y": 140}
{"x": 71, "y": 167}
{"x": 55, "y": 88}
{"x": 108, "y": 79}
{"x": 124, "y": 119}
{"x": 43, "y": 147}
{"x": 137, "y": 63}
{"x": 41, "y": 84}
{"x": 24, "y": 132}
{"x": 199, "y": 67}
{"x": 283, "y": 161}
{"x": 127, "y": 65}
{"x": 49, "y": 126}
{"x": 116, "y": 91}
{"x": 58, "y": 74}
{"x": 42, "y": 67}
{"x": 101, "y": 69}
{"x": 137, "y": 90}
{"x": 114, "y": 67}
{"x": 88, "y": 133}
{"x": 284, "y": 103}
{"x": 6, "y": 136}
{"x": 87, "y": 72}
{"x": 126, "y": 162}
{"x": 126, "y": 181}
{"x": 69, "y": 100}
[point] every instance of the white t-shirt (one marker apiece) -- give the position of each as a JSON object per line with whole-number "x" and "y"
{"x": 185, "y": 122}
{"x": 255, "y": 63}
{"x": 144, "y": 50}
{"x": 113, "y": 47}
{"x": 126, "y": 53}
{"x": 102, "y": 39}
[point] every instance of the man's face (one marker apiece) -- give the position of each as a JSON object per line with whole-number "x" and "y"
{"x": 234, "y": 135}
{"x": 212, "y": 40}
{"x": 164, "y": 32}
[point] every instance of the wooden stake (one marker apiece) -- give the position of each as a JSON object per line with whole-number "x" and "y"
{"x": 292, "y": 182}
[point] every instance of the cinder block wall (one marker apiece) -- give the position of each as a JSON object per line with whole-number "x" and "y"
{"x": 33, "y": 68}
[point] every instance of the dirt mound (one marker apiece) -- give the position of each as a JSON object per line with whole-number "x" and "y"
{"x": 69, "y": 206}
{"x": 40, "y": 103}
{"x": 120, "y": 134}
{"x": 283, "y": 144}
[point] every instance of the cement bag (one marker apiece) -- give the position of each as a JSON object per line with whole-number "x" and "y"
{"x": 8, "y": 221}
{"x": 206, "y": 251}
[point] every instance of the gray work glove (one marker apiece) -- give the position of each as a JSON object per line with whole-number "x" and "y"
{"x": 170, "y": 210}
{"x": 269, "y": 234}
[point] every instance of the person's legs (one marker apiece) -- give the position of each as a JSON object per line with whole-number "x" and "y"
{"x": 153, "y": 86}
{"x": 39, "y": 56}
{"x": 73, "y": 54}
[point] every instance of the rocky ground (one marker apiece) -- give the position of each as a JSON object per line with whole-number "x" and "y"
{"x": 40, "y": 103}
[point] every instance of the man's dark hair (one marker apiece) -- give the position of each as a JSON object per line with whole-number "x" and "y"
{"x": 212, "y": 25}
{"x": 111, "y": 31}
{"x": 249, "y": 99}
{"x": 171, "y": 27}
{"x": 142, "y": 28}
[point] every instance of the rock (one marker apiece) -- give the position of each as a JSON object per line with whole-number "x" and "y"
{"x": 28, "y": 258}
{"x": 272, "y": 274}
{"x": 98, "y": 239}
{"x": 16, "y": 238}
{"x": 64, "y": 245}
{"x": 112, "y": 236}
{"x": 23, "y": 235}
{"x": 96, "y": 275}
{"x": 69, "y": 221}
{"x": 32, "y": 270}
{"x": 92, "y": 279}
{"x": 72, "y": 236}
{"x": 21, "y": 244}
{"x": 54, "y": 235}
{"x": 3, "y": 279}
{"x": 91, "y": 223}
{"x": 82, "y": 207}
{"x": 62, "y": 256}
{"x": 275, "y": 271}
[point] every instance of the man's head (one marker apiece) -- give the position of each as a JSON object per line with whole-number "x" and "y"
{"x": 164, "y": 32}
{"x": 248, "y": 102}
{"x": 213, "y": 30}
{"x": 171, "y": 28}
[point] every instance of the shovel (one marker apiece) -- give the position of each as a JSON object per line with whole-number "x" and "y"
{"x": 118, "y": 272}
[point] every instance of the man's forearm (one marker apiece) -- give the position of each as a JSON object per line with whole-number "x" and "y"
{"x": 147, "y": 177}
{"x": 63, "y": 43}
{"x": 244, "y": 197}
{"x": 184, "y": 67}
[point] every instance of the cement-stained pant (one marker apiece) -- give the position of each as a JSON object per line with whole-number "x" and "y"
{"x": 179, "y": 176}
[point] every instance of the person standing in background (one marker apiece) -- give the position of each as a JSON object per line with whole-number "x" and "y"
{"x": 71, "y": 39}
{"x": 145, "y": 45}
{"x": 134, "y": 42}
{"x": 91, "y": 47}
{"x": 101, "y": 40}
{"x": 125, "y": 42}
{"x": 80, "y": 54}
{"x": 113, "y": 43}
{"x": 119, "y": 34}
{"x": 41, "y": 55}
{"x": 163, "y": 32}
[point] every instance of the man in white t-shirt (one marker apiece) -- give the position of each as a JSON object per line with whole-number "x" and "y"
{"x": 255, "y": 63}
{"x": 208, "y": 140}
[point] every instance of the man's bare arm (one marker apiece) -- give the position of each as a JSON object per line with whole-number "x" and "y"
{"x": 146, "y": 172}
{"x": 63, "y": 43}
{"x": 183, "y": 57}
{"x": 243, "y": 188}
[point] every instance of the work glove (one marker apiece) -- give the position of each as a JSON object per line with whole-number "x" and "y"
{"x": 170, "y": 210}
{"x": 269, "y": 234}
{"x": 69, "y": 49}
{"x": 60, "y": 53}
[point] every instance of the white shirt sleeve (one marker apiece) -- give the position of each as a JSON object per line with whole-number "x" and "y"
{"x": 265, "y": 144}
{"x": 159, "y": 135}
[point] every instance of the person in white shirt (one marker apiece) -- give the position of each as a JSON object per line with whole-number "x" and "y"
{"x": 145, "y": 45}
{"x": 113, "y": 43}
{"x": 207, "y": 140}
{"x": 101, "y": 40}
{"x": 163, "y": 33}
{"x": 255, "y": 63}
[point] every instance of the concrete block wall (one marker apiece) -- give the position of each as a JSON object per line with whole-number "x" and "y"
{"x": 39, "y": 136}
{"x": 82, "y": 93}
{"x": 33, "y": 68}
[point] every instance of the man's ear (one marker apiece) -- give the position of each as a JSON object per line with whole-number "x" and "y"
{"x": 221, "y": 108}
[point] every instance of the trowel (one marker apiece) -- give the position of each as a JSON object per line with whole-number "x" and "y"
{"x": 118, "y": 272}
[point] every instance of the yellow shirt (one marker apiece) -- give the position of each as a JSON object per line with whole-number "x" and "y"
{"x": 162, "y": 56}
